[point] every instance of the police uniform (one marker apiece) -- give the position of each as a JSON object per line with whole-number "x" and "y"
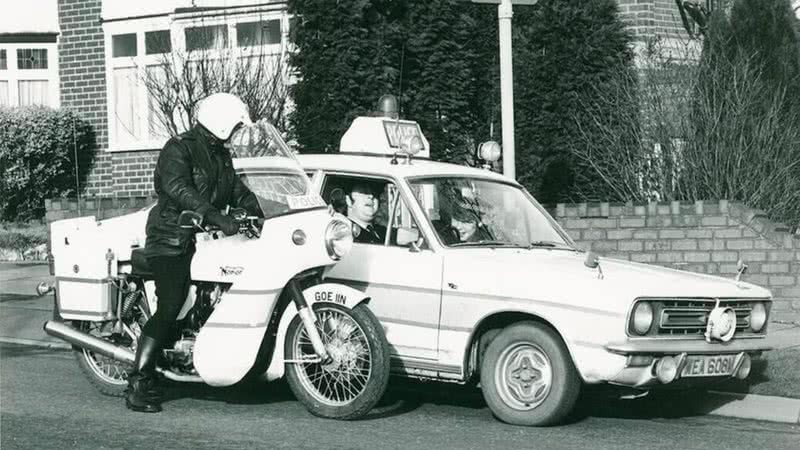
{"x": 369, "y": 234}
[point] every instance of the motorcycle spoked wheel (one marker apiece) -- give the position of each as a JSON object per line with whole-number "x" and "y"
{"x": 109, "y": 376}
{"x": 351, "y": 385}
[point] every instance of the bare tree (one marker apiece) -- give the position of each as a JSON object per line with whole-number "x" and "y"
{"x": 637, "y": 151}
{"x": 256, "y": 72}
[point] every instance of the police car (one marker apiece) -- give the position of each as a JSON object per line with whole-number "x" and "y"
{"x": 475, "y": 282}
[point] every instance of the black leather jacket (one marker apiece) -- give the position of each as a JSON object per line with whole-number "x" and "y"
{"x": 194, "y": 172}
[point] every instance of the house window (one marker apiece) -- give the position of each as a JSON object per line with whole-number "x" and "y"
{"x": 258, "y": 33}
{"x": 31, "y": 58}
{"x": 123, "y": 45}
{"x": 205, "y": 38}
{"x": 33, "y": 92}
{"x": 140, "y": 55}
{"x": 157, "y": 42}
{"x": 4, "y": 100}
{"x": 3, "y": 60}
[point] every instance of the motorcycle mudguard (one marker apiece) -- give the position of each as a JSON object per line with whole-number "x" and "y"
{"x": 325, "y": 292}
{"x": 228, "y": 343}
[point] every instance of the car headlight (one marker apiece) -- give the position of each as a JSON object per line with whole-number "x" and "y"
{"x": 338, "y": 238}
{"x": 642, "y": 318}
{"x": 758, "y": 317}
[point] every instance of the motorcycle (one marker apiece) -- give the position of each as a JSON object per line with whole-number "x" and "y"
{"x": 258, "y": 305}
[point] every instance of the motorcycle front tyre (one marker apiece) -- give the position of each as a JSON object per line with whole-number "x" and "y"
{"x": 350, "y": 386}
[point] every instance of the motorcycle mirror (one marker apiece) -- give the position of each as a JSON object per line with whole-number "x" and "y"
{"x": 190, "y": 219}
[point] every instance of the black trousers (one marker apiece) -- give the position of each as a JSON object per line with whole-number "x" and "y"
{"x": 172, "y": 277}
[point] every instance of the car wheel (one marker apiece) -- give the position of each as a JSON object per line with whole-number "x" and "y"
{"x": 527, "y": 376}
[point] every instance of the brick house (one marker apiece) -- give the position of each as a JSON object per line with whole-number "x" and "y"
{"x": 105, "y": 47}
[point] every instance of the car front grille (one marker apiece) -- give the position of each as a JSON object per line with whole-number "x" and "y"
{"x": 689, "y": 317}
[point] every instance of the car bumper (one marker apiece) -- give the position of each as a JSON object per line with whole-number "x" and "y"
{"x": 676, "y": 346}
{"x": 646, "y": 360}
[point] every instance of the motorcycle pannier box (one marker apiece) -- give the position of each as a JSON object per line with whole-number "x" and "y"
{"x": 84, "y": 270}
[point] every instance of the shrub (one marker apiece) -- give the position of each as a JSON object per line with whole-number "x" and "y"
{"x": 38, "y": 151}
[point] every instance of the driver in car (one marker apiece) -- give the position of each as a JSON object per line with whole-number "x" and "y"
{"x": 363, "y": 201}
{"x": 194, "y": 172}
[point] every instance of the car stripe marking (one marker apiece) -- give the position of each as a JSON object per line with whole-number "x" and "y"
{"x": 502, "y": 298}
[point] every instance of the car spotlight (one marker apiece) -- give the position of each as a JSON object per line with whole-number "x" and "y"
{"x": 744, "y": 367}
{"x": 666, "y": 369}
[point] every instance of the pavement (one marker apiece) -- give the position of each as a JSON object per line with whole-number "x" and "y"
{"x": 22, "y": 315}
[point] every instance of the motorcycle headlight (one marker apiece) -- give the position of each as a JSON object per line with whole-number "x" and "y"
{"x": 338, "y": 238}
{"x": 758, "y": 317}
{"x": 642, "y": 318}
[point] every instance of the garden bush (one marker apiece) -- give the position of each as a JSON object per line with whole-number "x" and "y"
{"x": 39, "y": 151}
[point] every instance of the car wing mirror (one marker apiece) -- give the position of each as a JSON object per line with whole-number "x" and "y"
{"x": 409, "y": 237}
{"x": 190, "y": 219}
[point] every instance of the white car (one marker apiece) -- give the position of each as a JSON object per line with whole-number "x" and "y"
{"x": 516, "y": 306}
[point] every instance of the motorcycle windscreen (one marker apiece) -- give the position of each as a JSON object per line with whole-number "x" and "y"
{"x": 279, "y": 182}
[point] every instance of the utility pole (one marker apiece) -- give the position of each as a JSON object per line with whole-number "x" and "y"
{"x": 504, "y": 14}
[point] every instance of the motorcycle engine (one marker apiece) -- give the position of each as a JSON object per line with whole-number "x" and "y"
{"x": 181, "y": 355}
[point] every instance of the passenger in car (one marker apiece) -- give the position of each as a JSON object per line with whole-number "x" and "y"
{"x": 363, "y": 201}
{"x": 465, "y": 226}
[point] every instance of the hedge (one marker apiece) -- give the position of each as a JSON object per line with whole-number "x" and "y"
{"x": 38, "y": 149}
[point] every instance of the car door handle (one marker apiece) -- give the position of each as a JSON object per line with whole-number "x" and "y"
{"x": 452, "y": 286}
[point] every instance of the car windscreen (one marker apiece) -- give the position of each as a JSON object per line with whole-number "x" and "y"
{"x": 480, "y": 212}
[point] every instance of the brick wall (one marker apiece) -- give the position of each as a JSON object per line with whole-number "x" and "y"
{"x": 81, "y": 59}
{"x": 81, "y": 51}
{"x": 707, "y": 237}
{"x": 102, "y": 208}
{"x": 649, "y": 17}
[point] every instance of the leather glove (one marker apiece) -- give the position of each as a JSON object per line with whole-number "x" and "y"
{"x": 225, "y": 223}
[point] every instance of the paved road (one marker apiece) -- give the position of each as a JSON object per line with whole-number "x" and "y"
{"x": 45, "y": 403}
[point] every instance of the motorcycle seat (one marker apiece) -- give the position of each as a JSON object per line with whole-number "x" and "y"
{"x": 139, "y": 264}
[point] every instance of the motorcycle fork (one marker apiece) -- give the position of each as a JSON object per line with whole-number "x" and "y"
{"x": 309, "y": 320}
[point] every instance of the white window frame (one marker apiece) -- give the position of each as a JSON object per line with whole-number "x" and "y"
{"x": 176, "y": 24}
{"x": 13, "y": 75}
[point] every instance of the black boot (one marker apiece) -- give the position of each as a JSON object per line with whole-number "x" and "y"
{"x": 141, "y": 392}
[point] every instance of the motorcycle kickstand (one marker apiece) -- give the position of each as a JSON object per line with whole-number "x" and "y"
{"x": 309, "y": 321}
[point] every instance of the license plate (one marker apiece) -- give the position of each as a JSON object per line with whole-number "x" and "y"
{"x": 708, "y": 366}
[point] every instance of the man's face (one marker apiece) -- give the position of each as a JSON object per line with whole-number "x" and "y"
{"x": 362, "y": 206}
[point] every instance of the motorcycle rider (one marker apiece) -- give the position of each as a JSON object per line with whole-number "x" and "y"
{"x": 194, "y": 172}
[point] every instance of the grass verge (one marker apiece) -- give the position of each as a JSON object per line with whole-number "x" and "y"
{"x": 22, "y": 238}
{"x": 777, "y": 373}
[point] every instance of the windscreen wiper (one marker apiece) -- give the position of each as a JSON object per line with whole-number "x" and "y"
{"x": 547, "y": 244}
{"x": 482, "y": 243}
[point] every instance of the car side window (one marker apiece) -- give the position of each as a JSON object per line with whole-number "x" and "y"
{"x": 363, "y": 200}
{"x": 372, "y": 204}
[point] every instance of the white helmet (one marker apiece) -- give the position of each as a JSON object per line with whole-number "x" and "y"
{"x": 221, "y": 113}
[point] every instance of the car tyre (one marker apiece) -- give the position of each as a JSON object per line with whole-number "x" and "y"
{"x": 527, "y": 376}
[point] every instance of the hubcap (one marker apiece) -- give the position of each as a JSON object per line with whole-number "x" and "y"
{"x": 523, "y": 376}
{"x": 345, "y": 377}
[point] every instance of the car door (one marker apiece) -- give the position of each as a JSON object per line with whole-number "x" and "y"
{"x": 403, "y": 282}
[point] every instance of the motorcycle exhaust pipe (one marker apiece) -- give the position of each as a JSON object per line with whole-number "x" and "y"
{"x": 89, "y": 342}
